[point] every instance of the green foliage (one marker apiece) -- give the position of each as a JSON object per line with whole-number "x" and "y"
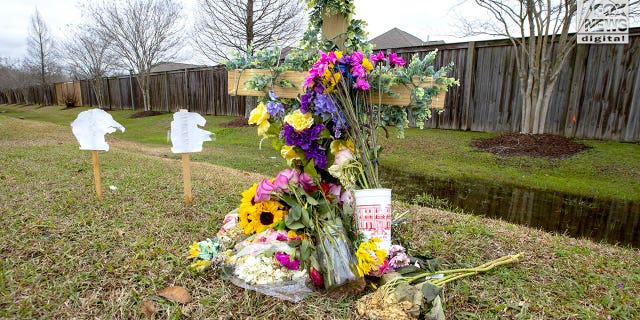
{"x": 356, "y": 36}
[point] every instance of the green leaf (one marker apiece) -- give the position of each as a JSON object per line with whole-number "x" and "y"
{"x": 295, "y": 212}
{"x": 310, "y": 169}
{"x": 305, "y": 250}
{"x": 306, "y": 219}
{"x": 430, "y": 291}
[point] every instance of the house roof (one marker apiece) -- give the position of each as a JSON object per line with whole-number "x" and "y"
{"x": 396, "y": 38}
{"x": 171, "y": 66}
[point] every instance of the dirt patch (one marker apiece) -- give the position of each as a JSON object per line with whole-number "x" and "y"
{"x": 237, "y": 122}
{"x": 148, "y": 113}
{"x": 531, "y": 145}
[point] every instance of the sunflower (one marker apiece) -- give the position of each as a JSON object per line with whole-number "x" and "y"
{"x": 246, "y": 210}
{"x": 267, "y": 214}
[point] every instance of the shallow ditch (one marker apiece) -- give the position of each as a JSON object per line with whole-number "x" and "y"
{"x": 612, "y": 221}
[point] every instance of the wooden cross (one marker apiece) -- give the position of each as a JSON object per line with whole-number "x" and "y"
{"x": 334, "y": 28}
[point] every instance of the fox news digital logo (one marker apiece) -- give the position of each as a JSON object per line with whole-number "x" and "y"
{"x": 603, "y": 21}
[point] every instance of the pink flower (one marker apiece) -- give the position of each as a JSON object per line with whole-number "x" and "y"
{"x": 362, "y": 84}
{"x": 263, "y": 191}
{"x": 359, "y": 71}
{"x": 346, "y": 197}
{"x": 306, "y": 182}
{"x": 316, "y": 277}
{"x": 356, "y": 58}
{"x": 342, "y": 156}
{"x": 284, "y": 178}
{"x": 375, "y": 58}
{"x": 334, "y": 190}
{"x": 230, "y": 221}
{"x": 286, "y": 261}
{"x": 395, "y": 60}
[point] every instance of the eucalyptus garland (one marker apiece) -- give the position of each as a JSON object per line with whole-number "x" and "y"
{"x": 356, "y": 36}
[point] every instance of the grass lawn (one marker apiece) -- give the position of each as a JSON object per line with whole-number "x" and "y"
{"x": 66, "y": 255}
{"x": 606, "y": 170}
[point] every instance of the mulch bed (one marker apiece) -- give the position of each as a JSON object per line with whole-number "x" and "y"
{"x": 146, "y": 114}
{"x": 532, "y": 145}
{"x": 237, "y": 122}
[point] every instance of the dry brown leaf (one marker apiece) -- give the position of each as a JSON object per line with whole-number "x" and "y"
{"x": 149, "y": 308}
{"x": 175, "y": 293}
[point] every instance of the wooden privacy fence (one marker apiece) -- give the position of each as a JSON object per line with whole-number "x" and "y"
{"x": 36, "y": 94}
{"x": 202, "y": 90}
{"x": 597, "y": 95}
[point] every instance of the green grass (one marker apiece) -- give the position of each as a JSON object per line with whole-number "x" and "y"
{"x": 63, "y": 254}
{"x": 608, "y": 170}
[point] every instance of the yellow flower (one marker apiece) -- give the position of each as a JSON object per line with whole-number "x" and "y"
{"x": 267, "y": 215}
{"x": 289, "y": 154}
{"x": 370, "y": 258}
{"x": 337, "y": 145}
{"x": 263, "y": 127}
{"x": 299, "y": 121}
{"x": 291, "y": 234}
{"x": 194, "y": 250}
{"x": 259, "y": 115}
{"x": 246, "y": 210}
{"x": 338, "y": 54}
{"x": 200, "y": 265}
{"x": 367, "y": 64}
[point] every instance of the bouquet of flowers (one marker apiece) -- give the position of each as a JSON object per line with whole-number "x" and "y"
{"x": 300, "y": 225}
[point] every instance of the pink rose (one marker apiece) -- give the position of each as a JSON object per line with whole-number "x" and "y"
{"x": 342, "y": 156}
{"x": 306, "y": 182}
{"x": 284, "y": 178}
{"x": 316, "y": 277}
{"x": 334, "y": 190}
{"x": 263, "y": 191}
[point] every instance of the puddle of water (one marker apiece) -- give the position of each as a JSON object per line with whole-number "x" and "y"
{"x": 612, "y": 221}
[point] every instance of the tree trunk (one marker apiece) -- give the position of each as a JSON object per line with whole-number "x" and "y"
{"x": 249, "y": 25}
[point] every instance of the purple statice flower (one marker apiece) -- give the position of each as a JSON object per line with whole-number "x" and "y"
{"x": 375, "y": 58}
{"x": 325, "y": 106}
{"x": 305, "y": 99}
{"x": 285, "y": 260}
{"x": 395, "y": 249}
{"x": 339, "y": 124}
{"x": 275, "y": 109}
{"x": 394, "y": 60}
{"x": 301, "y": 139}
{"x": 318, "y": 155}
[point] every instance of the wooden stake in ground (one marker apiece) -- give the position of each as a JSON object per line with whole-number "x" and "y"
{"x": 186, "y": 137}
{"x": 186, "y": 178}
{"x": 96, "y": 173}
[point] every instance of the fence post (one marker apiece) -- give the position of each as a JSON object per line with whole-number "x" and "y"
{"x": 166, "y": 90}
{"x": 133, "y": 102}
{"x": 186, "y": 88}
{"x": 469, "y": 72}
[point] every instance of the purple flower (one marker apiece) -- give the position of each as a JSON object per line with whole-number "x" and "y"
{"x": 358, "y": 71}
{"x": 305, "y": 99}
{"x": 396, "y": 249}
{"x": 318, "y": 155}
{"x": 275, "y": 109}
{"x": 325, "y": 106}
{"x": 301, "y": 139}
{"x": 394, "y": 60}
{"x": 284, "y": 178}
{"x": 306, "y": 181}
{"x": 286, "y": 261}
{"x": 356, "y": 58}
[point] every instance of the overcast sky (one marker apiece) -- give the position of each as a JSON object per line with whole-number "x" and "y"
{"x": 426, "y": 19}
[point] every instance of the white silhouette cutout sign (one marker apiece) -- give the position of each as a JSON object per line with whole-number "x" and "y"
{"x": 187, "y": 137}
{"x": 90, "y": 127}
{"x": 185, "y": 134}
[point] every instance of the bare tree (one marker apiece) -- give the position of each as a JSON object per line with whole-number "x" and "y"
{"x": 223, "y": 26}
{"x": 41, "y": 51}
{"x": 539, "y": 33}
{"x": 142, "y": 32}
{"x": 88, "y": 56}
